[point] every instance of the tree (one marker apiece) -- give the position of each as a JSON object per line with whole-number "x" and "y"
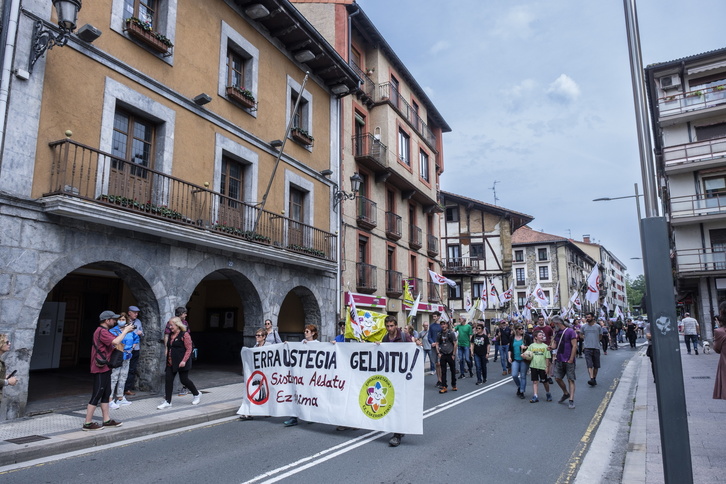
{"x": 635, "y": 289}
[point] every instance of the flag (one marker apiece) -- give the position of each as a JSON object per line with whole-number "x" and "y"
{"x": 602, "y": 313}
{"x": 619, "y": 313}
{"x": 493, "y": 296}
{"x": 407, "y": 296}
{"x": 540, "y": 297}
{"x": 527, "y": 314}
{"x": 414, "y": 309}
{"x": 351, "y": 321}
{"x": 482, "y": 304}
{"x": 575, "y": 300}
{"x": 556, "y": 297}
{"x": 439, "y": 279}
{"x": 507, "y": 295}
{"x": 369, "y": 324}
{"x": 593, "y": 286}
{"x": 467, "y": 304}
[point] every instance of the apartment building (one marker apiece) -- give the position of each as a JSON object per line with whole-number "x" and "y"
{"x": 153, "y": 166}
{"x": 392, "y": 138}
{"x": 612, "y": 271}
{"x": 476, "y": 247}
{"x": 554, "y": 262}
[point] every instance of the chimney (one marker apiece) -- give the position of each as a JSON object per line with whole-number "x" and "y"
{"x": 586, "y": 238}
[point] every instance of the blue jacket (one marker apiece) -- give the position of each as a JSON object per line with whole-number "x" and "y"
{"x": 129, "y": 340}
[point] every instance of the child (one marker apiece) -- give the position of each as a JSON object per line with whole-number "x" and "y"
{"x": 540, "y": 365}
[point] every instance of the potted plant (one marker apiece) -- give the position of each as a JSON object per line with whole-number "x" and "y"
{"x": 143, "y": 32}
{"x": 242, "y": 96}
{"x": 302, "y": 136}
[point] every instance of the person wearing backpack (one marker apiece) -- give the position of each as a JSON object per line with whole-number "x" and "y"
{"x": 103, "y": 345}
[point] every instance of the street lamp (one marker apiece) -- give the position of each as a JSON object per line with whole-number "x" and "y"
{"x": 636, "y": 197}
{"x": 45, "y": 39}
{"x": 340, "y": 195}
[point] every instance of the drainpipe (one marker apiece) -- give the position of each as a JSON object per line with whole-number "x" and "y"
{"x": 11, "y": 15}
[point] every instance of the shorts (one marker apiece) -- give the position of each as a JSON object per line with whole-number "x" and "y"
{"x": 101, "y": 388}
{"x": 592, "y": 357}
{"x": 538, "y": 374}
{"x": 563, "y": 368}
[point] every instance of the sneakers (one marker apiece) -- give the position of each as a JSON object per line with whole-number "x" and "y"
{"x": 432, "y": 373}
{"x": 197, "y": 398}
{"x": 696, "y": 351}
{"x": 504, "y": 373}
{"x": 92, "y": 426}
{"x": 564, "y": 397}
{"x": 439, "y": 384}
{"x": 592, "y": 382}
{"x": 549, "y": 380}
{"x": 521, "y": 395}
{"x": 291, "y": 422}
{"x": 571, "y": 405}
{"x": 113, "y": 405}
{"x": 443, "y": 390}
{"x": 471, "y": 373}
{"x": 549, "y": 397}
{"x": 183, "y": 391}
{"x": 164, "y": 405}
{"x": 395, "y": 441}
{"x": 479, "y": 382}
{"x": 123, "y": 401}
{"x": 534, "y": 399}
{"x": 112, "y": 423}
{"x": 245, "y": 417}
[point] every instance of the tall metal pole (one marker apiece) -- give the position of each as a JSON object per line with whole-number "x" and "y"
{"x": 671, "y": 398}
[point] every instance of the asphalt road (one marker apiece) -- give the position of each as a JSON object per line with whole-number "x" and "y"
{"x": 479, "y": 434}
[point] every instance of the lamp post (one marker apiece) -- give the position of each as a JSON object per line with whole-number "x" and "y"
{"x": 636, "y": 197}
{"x": 45, "y": 39}
{"x": 340, "y": 195}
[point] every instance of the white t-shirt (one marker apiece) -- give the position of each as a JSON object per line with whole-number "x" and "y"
{"x": 690, "y": 325}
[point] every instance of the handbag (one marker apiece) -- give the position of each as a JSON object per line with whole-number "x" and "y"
{"x": 115, "y": 361}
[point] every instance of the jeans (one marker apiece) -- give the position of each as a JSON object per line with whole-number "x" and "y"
{"x": 448, "y": 360}
{"x": 118, "y": 379}
{"x": 480, "y": 362}
{"x": 464, "y": 355}
{"x": 503, "y": 351}
{"x": 519, "y": 374}
{"x": 428, "y": 353}
{"x": 689, "y": 338}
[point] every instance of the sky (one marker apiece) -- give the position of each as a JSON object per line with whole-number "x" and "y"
{"x": 539, "y": 98}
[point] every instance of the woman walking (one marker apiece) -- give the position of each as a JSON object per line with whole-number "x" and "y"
{"x": 178, "y": 360}
{"x": 311, "y": 336}
{"x": 519, "y": 344}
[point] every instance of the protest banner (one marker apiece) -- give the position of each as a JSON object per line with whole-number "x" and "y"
{"x": 362, "y": 385}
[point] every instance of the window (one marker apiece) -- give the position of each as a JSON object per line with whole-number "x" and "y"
{"x": 363, "y": 249}
{"x": 542, "y": 254}
{"x": 238, "y": 64}
{"x": 455, "y": 292}
{"x": 476, "y": 251}
{"x": 453, "y": 252}
{"x": 133, "y": 140}
{"x": 519, "y": 256}
{"x": 477, "y": 290}
{"x": 519, "y": 276}
{"x": 160, "y": 15}
{"x": 711, "y": 131}
{"x": 232, "y": 181}
{"x": 521, "y": 299}
{"x": 544, "y": 273}
{"x": 302, "y": 117}
{"x": 423, "y": 161}
{"x": 452, "y": 214}
{"x": 395, "y": 92}
{"x": 404, "y": 147}
{"x": 144, "y": 10}
{"x": 715, "y": 186}
{"x": 235, "y": 70}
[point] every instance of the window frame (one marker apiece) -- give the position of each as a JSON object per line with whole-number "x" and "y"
{"x": 305, "y": 107}
{"x": 404, "y": 145}
{"x": 231, "y": 40}
{"x": 166, "y": 13}
{"x": 424, "y": 166}
{"x": 539, "y": 273}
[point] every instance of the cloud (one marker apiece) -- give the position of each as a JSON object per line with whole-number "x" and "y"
{"x": 517, "y": 22}
{"x": 564, "y": 90}
{"x": 440, "y": 46}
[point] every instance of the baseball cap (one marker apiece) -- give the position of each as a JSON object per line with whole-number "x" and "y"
{"x": 530, "y": 326}
{"x": 108, "y": 315}
{"x": 134, "y": 308}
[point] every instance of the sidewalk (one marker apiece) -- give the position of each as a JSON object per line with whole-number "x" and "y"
{"x": 45, "y": 435}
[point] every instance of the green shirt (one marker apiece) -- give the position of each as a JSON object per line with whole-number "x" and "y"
{"x": 540, "y": 355}
{"x": 464, "y": 334}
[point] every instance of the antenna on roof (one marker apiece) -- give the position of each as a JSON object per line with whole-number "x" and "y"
{"x": 494, "y": 189}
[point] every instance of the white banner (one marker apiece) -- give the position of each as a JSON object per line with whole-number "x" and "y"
{"x": 363, "y": 385}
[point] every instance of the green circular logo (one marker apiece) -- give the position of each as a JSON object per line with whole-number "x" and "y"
{"x": 376, "y": 397}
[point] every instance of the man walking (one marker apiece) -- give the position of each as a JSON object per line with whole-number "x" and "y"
{"x": 464, "y": 347}
{"x": 691, "y": 330}
{"x": 433, "y": 336}
{"x": 591, "y": 334}
{"x": 395, "y": 335}
{"x": 426, "y": 346}
{"x": 565, "y": 344}
{"x": 503, "y": 340}
{"x": 446, "y": 347}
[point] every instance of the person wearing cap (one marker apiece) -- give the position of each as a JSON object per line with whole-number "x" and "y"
{"x": 103, "y": 342}
{"x": 134, "y": 320}
{"x": 565, "y": 345}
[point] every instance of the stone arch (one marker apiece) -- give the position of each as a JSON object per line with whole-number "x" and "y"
{"x": 310, "y": 307}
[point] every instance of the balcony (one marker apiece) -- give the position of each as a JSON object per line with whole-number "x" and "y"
{"x": 367, "y": 217}
{"x": 415, "y": 237}
{"x": 433, "y": 292}
{"x": 365, "y": 280}
{"x": 393, "y": 226}
{"x": 691, "y": 102}
{"x": 700, "y": 262}
{"x": 432, "y": 245}
{"x": 394, "y": 283}
{"x": 370, "y": 152}
{"x": 697, "y": 208}
{"x": 695, "y": 156}
{"x": 365, "y": 94}
{"x": 387, "y": 93}
{"x": 88, "y": 184}
{"x": 460, "y": 265}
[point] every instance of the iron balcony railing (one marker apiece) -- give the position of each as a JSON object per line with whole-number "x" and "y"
{"x": 393, "y": 226}
{"x": 368, "y": 85}
{"x": 460, "y": 265}
{"x": 700, "y": 260}
{"x": 680, "y": 103}
{"x": 432, "y": 245}
{"x": 367, "y": 212}
{"x": 387, "y": 92}
{"x": 87, "y": 173}
{"x": 367, "y": 146}
{"x": 697, "y": 205}
{"x": 415, "y": 285}
{"x": 433, "y": 292}
{"x": 415, "y": 237}
{"x": 394, "y": 283}
{"x": 679, "y": 155}
{"x": 366, "y": 277}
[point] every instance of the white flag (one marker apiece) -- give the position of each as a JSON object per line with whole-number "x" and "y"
{"x": 493, "y": 296}
{"x": 575, "y": 300}
{"x": 439, "y": 279}
{"x": 467, "y": 304}
{"x": 593, "y": 286}
{"x": 619, "y": 313}
{"x": 540, "y": 297}
{"x": 355, "y": 320}
{"x": 507, "y": 295}
{"x": 482, "y": 304}
{"x": 414, "y": 309}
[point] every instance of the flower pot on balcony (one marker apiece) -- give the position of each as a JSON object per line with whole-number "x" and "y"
{"x": 301, "y": 137}
{"x": 236, "y": 95}
{"x": 146, "y": 37}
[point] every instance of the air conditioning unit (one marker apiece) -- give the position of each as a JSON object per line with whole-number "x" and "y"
{"x": 670, "y": 82}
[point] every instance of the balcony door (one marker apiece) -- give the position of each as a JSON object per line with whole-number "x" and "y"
{"x": 133, "y": 152}
{"x": 718, "y": 247}
{"x": 297, "y": 217}
{"x": 715, "y": 191}
{"x": 231, "y": 210}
